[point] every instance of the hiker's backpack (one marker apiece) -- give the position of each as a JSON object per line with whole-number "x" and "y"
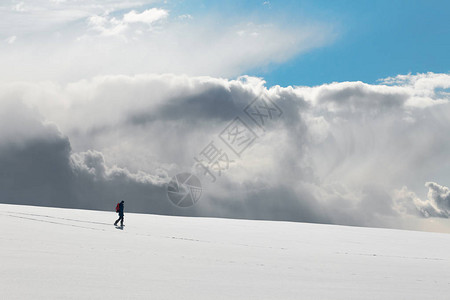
{"x": 117, "y": 207}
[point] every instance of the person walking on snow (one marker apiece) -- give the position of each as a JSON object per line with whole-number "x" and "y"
{"x": 119, "y": 209}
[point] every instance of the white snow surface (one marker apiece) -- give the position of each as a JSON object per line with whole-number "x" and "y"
{"x": 53, "y": 253}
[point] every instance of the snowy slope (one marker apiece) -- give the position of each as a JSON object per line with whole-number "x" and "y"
{"x": 49, "y": 253}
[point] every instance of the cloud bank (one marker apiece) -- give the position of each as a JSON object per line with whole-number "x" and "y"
{"x": 341, "y": 153}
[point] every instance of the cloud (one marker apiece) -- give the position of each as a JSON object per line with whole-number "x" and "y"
{"x": 148, "y": 16}
{"x": 11, "y": 39}
{"x": 19, "y": 7}
{"x": 133, "y": 37}
{"x": 426, "y": 87}
{"x": 107, "y": 26}
{"x": 38, "y": 167}
{"x": 111, "y": 26}
{"x": 40, "y": 17}
{"x": 338, "y": 153}
{"x": 437, "y": 203}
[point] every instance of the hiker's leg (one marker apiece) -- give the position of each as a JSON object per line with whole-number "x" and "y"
{"x": 117, "y": 221}
{"x": 121, "y": 220}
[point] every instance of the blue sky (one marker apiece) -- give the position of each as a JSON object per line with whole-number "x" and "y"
{"x": 375, "y": 39}
{"x": 289, "y": 42}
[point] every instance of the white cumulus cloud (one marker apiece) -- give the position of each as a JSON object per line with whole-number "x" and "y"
{"x": 148, "y": 16}
{"x": 11, "y": 39}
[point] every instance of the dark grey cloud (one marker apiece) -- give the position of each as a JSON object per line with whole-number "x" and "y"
{"x": 40, "y": 169}
{"x": 360, "y": 98}
{"x": 215, "y": 103}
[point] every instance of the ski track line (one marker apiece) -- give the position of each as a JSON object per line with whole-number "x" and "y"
{"x": 53, "y": 222}
{"x": 47, "y": 216}
{"x": 390, "y": 256}
{"x": 10, "y": 213}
